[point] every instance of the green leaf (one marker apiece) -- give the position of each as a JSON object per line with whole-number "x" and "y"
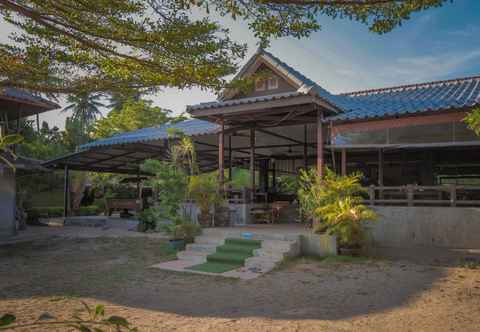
{"x": 118, "y": 321}
{"x": 7, "y": 319}
{"x": 99, "y": 310}
{"x": 12, "y": 139}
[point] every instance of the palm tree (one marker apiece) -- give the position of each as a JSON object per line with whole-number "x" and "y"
{"x": 85, "y": 108}
{"x": 117, "y": 100}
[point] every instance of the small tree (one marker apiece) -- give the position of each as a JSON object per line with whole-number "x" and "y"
{"x": 5, "y": 152}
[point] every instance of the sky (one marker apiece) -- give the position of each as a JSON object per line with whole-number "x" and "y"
{"x": 440, "y": 43}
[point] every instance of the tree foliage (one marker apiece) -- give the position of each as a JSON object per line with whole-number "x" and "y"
{"x": 473, "y": 120}
{"x": 134, "y": 115}
{"x": 72, "y": 46}
{"x": 85, "y": 108}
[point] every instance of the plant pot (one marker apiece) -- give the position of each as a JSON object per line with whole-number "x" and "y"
{"x": 354, "y": 251}
{"x": 177, "y": 244}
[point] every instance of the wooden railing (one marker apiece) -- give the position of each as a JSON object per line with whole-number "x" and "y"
{"x": 410, "y": 195}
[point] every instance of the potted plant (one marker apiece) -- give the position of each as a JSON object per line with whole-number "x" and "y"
{"x": 204, "y": 190}
{"x": 182, "y": 231}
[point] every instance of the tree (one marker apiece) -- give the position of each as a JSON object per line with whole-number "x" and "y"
{"x": 6, "y": 154}
{"x": 71, "y": 46}
{"x": 85, "y": 108}
{"x": 133, "y": 116}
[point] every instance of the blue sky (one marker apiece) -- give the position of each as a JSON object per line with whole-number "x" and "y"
{"x": 343, "y": 56}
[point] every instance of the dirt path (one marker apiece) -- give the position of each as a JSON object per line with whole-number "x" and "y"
{"x": 53, "y": 275}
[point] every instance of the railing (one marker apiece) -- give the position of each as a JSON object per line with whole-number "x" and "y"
{"x": 410, "y": 195}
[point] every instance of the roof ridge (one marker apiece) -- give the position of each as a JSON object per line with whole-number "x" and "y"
{"x": 406, "y": 86}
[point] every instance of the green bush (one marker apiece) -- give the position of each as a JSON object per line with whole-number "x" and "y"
{"x": 33, "y": 214}
{"x": 91, "y": 210}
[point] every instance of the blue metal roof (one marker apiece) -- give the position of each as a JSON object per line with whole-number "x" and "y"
{"x": 192, "y": 127}
{"x": 400, "y": 100}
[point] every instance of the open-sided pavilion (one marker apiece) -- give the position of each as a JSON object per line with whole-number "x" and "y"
{"x": 409, "y": 141}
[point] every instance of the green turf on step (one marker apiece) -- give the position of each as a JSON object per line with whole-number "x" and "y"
{"x": 228, "y": 256}
{"x": 214, "y": 267}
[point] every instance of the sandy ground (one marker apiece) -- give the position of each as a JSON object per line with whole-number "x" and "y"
{"x": 51, "y": 275}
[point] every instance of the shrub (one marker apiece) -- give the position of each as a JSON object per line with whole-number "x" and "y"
{"x": 43, "y": 212}
{"x": 336, "y": 202}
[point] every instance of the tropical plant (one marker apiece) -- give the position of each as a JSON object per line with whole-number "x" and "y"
{"x": 204, "y": 189}
{"x": 182, "y": 228}
{"x": 336, "y": 202}
{"x": 6, "y": 154}
{"x": 473, "y": 120}
{"x": 171, "y": 185}
{"x": 89, "y": 319}
{"x": 72, "y": 46}
{"x": 148, "y": 219}
{"x": 85, "y": 108}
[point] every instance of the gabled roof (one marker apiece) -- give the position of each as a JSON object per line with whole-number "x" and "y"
{"x": 444, "y": 95}
{"x": 455, "y": 94}
{"x": 14, "y": 94}
{"x": 191, "y": 127}
{"x": 304, "y": 85}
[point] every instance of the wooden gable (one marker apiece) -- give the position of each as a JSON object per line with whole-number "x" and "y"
{"x": 270, "y": 82}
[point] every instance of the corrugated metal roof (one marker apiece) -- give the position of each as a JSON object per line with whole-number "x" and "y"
{"x": 192, "y": 127}
{"x": 22, "y": 95}
{"x": 242, "y": 101}
{"x": 399, "y": 100}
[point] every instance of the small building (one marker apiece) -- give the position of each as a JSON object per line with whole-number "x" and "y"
{"x": 14, "y": 105}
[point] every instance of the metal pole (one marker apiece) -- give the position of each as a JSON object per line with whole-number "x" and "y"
{"x": 230, "y": 168}
{"x": 305, "y": 148}
{"x": 320, "y": 143}
{"x": 344, "y": 162}
{"x": 221, "y": 155}
{"x": 66, "y": 192}
{"x": 252, "y": 162}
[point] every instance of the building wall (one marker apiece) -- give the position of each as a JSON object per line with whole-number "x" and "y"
{"x": 441, "y": 227}
{"x": 7, "y": 203}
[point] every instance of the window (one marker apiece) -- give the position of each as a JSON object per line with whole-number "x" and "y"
{"x": 272, "y": 83}
{"x": 260, "y": 85}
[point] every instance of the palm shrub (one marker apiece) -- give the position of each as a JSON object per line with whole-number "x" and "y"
{"x": 205, "y": 190}
{"x": 336, "y": 202}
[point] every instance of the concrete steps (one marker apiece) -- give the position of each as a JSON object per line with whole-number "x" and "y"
{"x": 274, "y": 248}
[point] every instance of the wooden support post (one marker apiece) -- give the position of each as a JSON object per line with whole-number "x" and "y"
{"x": 221, "y": 155}
{"x": 66, "y": 192}
{"x": 230, "y": 167}
{"x": 274, "y": 176}
{"x": 320, "y": 145}
{"x": 344, "y": 162}
{"x": 252, "y": 163}
{"x": 410, "y": 195}
{"x": 305, "y": 147}
{"x": 380, "y": 172}
{"x": 371, "y": 194}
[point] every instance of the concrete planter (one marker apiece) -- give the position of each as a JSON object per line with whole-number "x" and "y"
{"x": 318, "y": 245}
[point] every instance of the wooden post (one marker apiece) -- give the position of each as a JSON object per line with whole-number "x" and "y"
{"x": 221, "y": 155}
{"x": 320, "y": 145}
{"x": 274, "y": 176}
{"x": 66, "y": 192}
{"x": 344, "y": 162}
{"x": 371, "y": 194}
{"x": 410, "y": 195}
{"x": 380, "y": 172}
{"x": 252, "y": 163}
{"x": 230, "y": 168}
{"x": 305, "y": 148}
